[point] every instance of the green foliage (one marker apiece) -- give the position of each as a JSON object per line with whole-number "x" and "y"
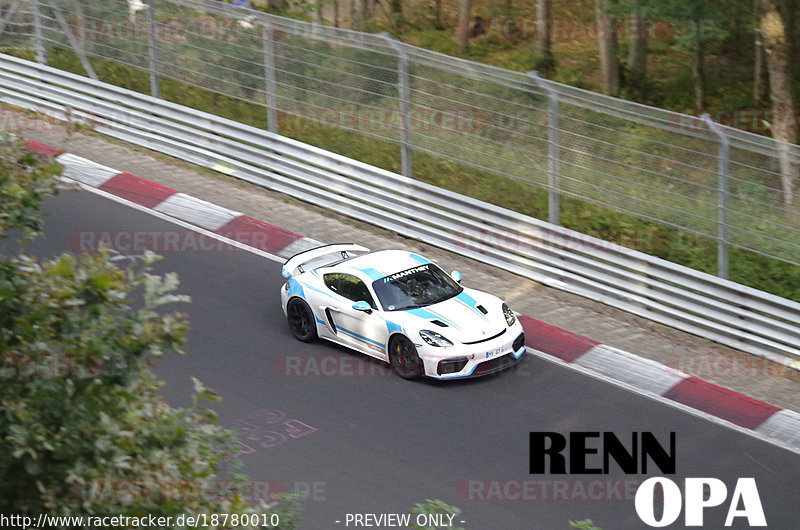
{"x": 83, "y": 428}
{"x": 585, "y": 524}
{"x": 375, "y": 90}
{"x": 434, "y": 507}
{"x": 24, "y": 184}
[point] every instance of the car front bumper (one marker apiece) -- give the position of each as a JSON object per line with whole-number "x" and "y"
{"x": 475, "y": 360}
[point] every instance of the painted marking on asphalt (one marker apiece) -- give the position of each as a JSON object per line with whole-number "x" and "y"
{"x": 726, "y": 404}
{"x": 197, "y": 211}
{"x": 764, "y": 437}
{"x": 138, "y": 190}
{"x": 42, "y": 149}
{"x": 179, "y": 222}
{"x": 643, "y": 373}
{"x": 258, "y": 234}
{"x": 84, "y": 170}
{"x": 784, "y": 425}
{"x": 771, "y": 424}
{"x": 555, "y": 341}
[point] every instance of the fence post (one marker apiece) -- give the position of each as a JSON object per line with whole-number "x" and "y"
{"x": 75, "y": 44}
{"x": 41, "y": 53}
{"x": 269, "y": 77}
{"x": 152, "y": 50}
{"x": 403, "y": 88}
{"x": 723, "y": 164}
{"x": 552, "y": 148}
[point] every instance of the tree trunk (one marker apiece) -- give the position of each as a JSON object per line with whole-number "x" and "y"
{"x": 790, "y": 14}
{"x": 336, "y": 13}
{"x": 316, "y": 13}
{"x": 759, "y": 61}
{"x": 359, "y": 14}
{"x": 544, "y": 37}
{"x": 396, "y": 9}
{"x": 699, "y": 72}
{"x": 464, "y": 10}
{"x": 607, "y": 40}
{"x": 437, "y": 15}
{"x": 778, "y": 49}
{"x": 637, "y": 53}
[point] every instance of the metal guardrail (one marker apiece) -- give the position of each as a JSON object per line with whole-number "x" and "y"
{"x": 735, "y": 188}
{"x": 680, "y": 297}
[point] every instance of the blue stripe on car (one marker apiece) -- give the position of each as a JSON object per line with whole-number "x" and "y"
{"x": 295, "y": 288}
{"x": 430, "y": 315}
{"x": 418, "y": 258}
{"x": 361, "y": 337}
{"x": 470, "y": 302}
{"x": 421, "y": 313}
{"x": 391, "y": 327}
{"x": 373, "y": 274}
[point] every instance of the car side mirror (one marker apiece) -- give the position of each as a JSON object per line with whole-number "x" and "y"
{"x": 362, "y": 306}
{"x": 456, "y": 275}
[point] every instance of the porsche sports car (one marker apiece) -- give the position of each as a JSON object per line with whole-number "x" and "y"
{"x": 400, "y": 308}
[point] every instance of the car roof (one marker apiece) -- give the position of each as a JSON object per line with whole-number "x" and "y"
{"x": 376, "y": 265}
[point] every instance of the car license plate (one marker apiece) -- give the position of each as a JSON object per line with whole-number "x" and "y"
{"x": 494, "y": 352}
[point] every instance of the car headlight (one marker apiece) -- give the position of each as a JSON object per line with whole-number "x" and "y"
{"x": 509, "y": 314}
{"x": 434, "y": 339}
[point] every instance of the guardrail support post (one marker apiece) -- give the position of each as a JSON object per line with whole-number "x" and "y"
{"x": 152, "y": 49}
{"x": 269, "y": 78}
{"x": 552, "y": 148}
{"x": 723, "y": 172}
{"x": 38, "y": 38}
{"x": 405, "y": 104}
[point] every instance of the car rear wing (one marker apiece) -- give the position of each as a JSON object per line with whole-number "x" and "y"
{"x": 318, "y": 257}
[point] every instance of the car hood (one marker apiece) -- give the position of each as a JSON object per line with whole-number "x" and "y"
{"x": 462, "y": 316}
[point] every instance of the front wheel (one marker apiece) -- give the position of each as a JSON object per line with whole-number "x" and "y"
{"x": 404, "y": 358}
{"x": 301, "y": 320}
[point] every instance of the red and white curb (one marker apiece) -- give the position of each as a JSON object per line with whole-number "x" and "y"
{"x": 644, "y": 376}
{"x": 655, "y": 379}
{"x": 206, "y": 215}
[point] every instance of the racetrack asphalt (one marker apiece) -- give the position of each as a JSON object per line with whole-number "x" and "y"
{"x": 318, "y": 417}
{"x": 703, "y": 359}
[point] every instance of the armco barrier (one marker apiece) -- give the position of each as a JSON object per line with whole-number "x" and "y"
{"x": 724, "y": 311}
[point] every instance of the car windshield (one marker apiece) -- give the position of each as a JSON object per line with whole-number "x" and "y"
{"x": 416, "y": 287}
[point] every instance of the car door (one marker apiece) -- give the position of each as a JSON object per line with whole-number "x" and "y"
{"x": 364, "y": 330}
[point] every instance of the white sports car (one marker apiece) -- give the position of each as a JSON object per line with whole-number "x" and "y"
{"x": 401, "y": 308}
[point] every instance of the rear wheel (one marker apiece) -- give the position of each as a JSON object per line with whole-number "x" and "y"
{"x": 404, "y": 358}
{"x": 301, "y": 320}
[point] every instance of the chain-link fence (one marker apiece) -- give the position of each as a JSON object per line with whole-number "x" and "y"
{"x": 738, "y": 188}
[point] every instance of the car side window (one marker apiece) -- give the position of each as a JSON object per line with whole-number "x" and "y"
{"x": 349, "y": 286}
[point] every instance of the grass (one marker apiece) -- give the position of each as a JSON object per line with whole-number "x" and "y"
{"x": 680, "y": 247}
